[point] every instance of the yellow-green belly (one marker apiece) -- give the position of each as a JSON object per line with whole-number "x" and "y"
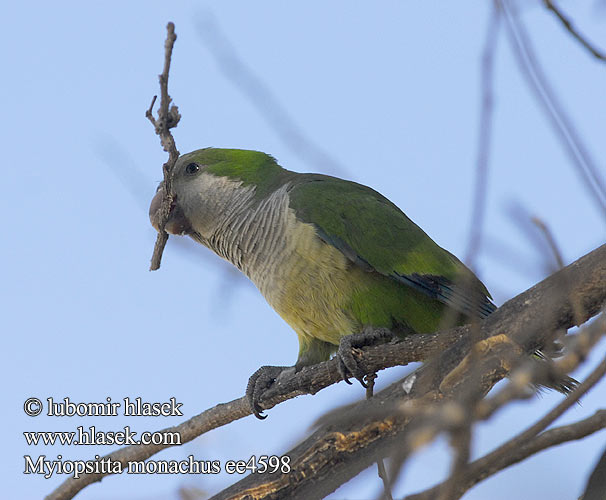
{"x": 322, "y": 295}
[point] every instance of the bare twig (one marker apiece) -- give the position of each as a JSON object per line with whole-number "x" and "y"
{"x": 553, "y": 246}
{"x": 370, "y": 387}
{"x": 262, "y": 98}
{"x": 460, "y": 437}
{"x": 559, "y": 435}
{"x": 507, "y": 448}
{"x": 532, "y": 371}
{"x": 168, "y": 117}
{"x": 555, "y": 249}
{"x": 385, "y": 479}
{"x": 562, "y": 125}
{"x": 542, "y": 239}
{"x": 529, "y": 442}
{"x": 485, "y": 133}
{"x": 574, "y": 32}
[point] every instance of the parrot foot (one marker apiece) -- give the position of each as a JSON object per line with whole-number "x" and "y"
{"x": 260, "y": 381}
{"x": 349, "y": 350}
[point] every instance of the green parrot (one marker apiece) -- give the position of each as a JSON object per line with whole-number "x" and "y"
{"x": 332, "y": 257}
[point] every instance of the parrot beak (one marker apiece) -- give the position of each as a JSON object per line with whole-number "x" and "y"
{"x": 177, "y": 222}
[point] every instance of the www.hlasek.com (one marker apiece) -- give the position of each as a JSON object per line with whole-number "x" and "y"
{"x": 90, "y": 436}
{"x": 107, "y": 465}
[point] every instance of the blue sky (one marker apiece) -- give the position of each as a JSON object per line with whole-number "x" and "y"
{"x": 389, "y": 91}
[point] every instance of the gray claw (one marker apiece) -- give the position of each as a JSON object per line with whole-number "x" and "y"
{"x": 342, "y": 369}
{"x": 348, "y": 365}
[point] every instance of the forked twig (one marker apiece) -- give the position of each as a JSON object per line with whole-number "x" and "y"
{"x": 168, "y": 117}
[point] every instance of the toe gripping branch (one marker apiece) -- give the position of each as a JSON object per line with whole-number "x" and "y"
{"x": 259, "y": 382}
{"x": 348, "y": 353}
{"x": 348, "y": 356}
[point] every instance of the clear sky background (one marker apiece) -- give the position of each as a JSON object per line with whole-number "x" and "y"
{"x": 389, "y": 90}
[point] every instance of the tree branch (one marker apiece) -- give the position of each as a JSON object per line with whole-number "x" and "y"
{"x": 568, "y": 297}
{"x": 580, "y": 158}
{"x": 354, "y": 438}
{"x": 484, "y": 137}
{"x": 168, "y": 117}
{"x": 308, "y": 381}
{"x": 529, "y": 442}
{"x": 574, "y": 32}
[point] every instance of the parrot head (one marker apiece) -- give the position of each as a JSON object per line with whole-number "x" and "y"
{"x": 209, "y": 185}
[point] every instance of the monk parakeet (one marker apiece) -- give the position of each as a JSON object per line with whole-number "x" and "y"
{"x": 332, "y": 257}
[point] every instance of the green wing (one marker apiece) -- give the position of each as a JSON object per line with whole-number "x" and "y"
{"x": 376, "y": 235}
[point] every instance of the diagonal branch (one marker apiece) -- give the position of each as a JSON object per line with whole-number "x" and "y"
{"x": 567, "y": 23}
{"x": 260, "y": 95}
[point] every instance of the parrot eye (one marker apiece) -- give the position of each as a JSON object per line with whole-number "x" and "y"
{"x": 192, "y": 168}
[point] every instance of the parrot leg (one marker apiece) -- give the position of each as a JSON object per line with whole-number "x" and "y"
{"x": 262, "y": 380}
{"x": 311, "y": 352}
{"x": 348, "y": 364}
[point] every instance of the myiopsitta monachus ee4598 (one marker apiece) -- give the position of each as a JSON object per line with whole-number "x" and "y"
{"x": 332, "y": 257}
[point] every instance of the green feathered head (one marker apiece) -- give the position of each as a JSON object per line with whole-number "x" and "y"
{"x": 208, "y": 182}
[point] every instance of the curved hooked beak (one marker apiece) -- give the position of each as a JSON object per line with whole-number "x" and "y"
{"x": 177, "y": 222}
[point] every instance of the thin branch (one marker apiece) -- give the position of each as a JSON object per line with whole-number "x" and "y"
{"x": 559, "y": 435}
{"x": 168, "y": 117}
{"x": 521, "y": 446}
{"x": 562, "y": 125}
{"x": 386, "y": 495}
{"x": 518, "y": 388}
{"x": 553, "y": 246}
{"x": 242, "y": 76}
{"x": 574, "y": 32}
{"x": 537, "y": 372}
{"x": 495, "y": 459}
{"x": 461, "y": 445}
{"x": 484, "y": 137}
{"x": 482, "y": 468}
{"x": 461, "y": 436}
